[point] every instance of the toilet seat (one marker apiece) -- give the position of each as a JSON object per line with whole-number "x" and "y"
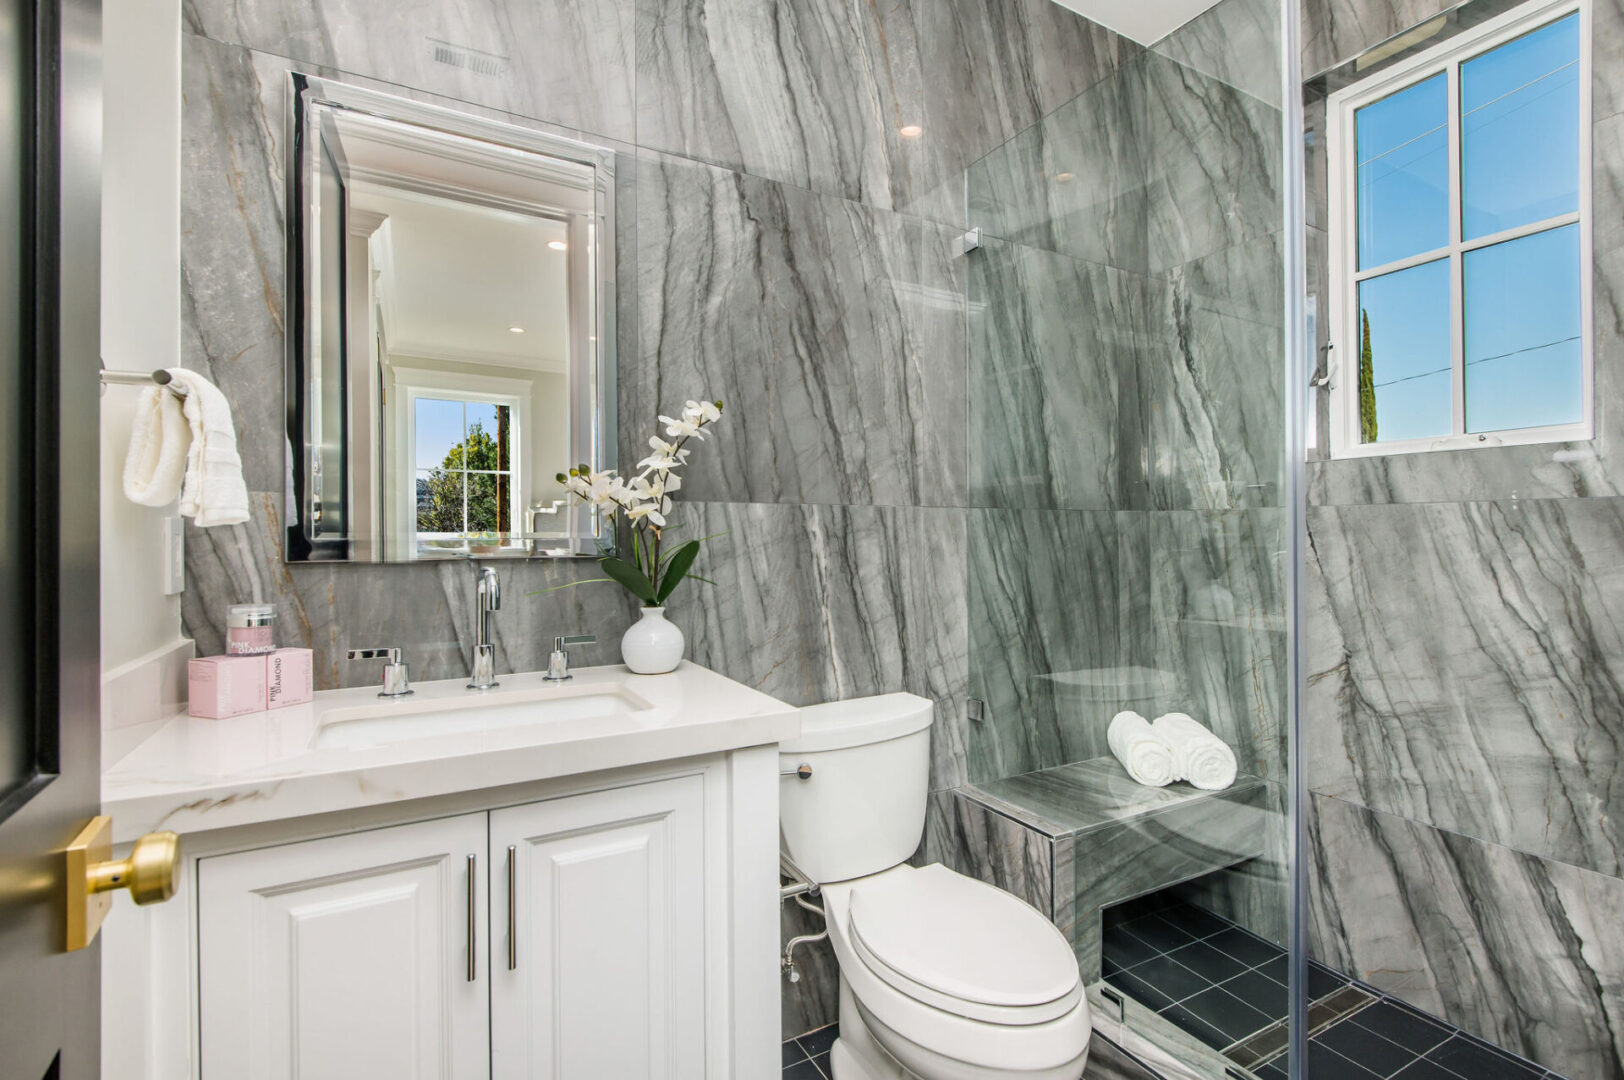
{"x": 963, "y": 946}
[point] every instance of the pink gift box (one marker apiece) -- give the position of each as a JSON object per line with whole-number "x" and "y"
{"x": 222, "y": 686}
{"x": 288, "y": 678}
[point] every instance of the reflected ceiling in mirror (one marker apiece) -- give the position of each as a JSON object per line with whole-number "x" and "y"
{"x": 453, "y": 346}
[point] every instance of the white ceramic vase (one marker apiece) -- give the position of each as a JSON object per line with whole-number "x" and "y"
{"x": 652, "y": 645}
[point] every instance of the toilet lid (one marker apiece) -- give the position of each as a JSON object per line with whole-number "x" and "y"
{"x": 964, "y": 941}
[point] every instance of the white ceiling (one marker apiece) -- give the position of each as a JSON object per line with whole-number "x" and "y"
{"x": 1145, "y": 21}
{"x": 462, "y": 274}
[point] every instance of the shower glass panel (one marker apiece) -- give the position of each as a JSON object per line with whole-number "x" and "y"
{"x": 1131, "y": 527}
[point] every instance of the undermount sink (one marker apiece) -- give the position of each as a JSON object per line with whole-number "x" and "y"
{"x": 406, "y": 719}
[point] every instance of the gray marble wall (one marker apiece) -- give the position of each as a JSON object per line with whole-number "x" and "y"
{"x": 783, "y": 247}
{"x": 1463, "y": 719}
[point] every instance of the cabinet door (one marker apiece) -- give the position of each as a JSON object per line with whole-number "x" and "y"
{"x": 347, "y": 958}
{"x": 599, "y": 960}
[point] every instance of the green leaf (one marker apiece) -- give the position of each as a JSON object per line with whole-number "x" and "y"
{"x": 696, "y": 577}
{"x": 636, "y": 582}
{"x": 571, "y": 585}
{"x": 678, "y": 569}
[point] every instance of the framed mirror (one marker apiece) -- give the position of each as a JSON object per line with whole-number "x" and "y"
{"x": 451, "y": 347}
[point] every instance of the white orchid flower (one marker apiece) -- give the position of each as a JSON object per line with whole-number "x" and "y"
{"x": 644, "y": 488}
{"x": 649, "y": 510}
{"x": 665, "y": 456}
{"x": 702, "y": 410}
{"x": 685, "y": 428}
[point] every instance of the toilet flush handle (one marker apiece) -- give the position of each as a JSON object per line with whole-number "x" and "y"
{"x": 803, "y": 771}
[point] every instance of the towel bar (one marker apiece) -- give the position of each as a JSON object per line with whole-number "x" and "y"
{"x": 138, "y": 378}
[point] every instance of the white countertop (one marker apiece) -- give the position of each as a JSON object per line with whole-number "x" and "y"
{"x": 188, "y": 774}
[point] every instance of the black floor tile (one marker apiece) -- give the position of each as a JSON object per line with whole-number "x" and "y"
{"x": 1401, "y": 1025}
{"x": 1124, "y": 949}
{"x": 822, "y": 1062}
{"x": 1475, "y": 1061}
{"x": 1366, "y": 1047}
{"x": 1226, "y": 1012}
{"x": 1194, "y": 921}
{"x": 819, "y": 1041}
{"x": 1247, "y": 948}
{"x": 1322, "y": 981}
{"x": 793, "y": 1053}
{"x": 1278, "y": 969}
{"x": 1196, "y": 1026}
{"x": 1422, "y": 1069}
{"x": 1326, "y": 1064}
{"x": 1140, "y": 990}
{"x": 1274, "y": 1070}
{"x": 1157, "y": 931}
{"x": 1173, "y": 979}
{"x": 804, "y": 1070}
{"x": 1263, "y": 994}
{"x": 1208, "y": 962}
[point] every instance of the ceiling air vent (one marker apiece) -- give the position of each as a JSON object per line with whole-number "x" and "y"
{"x": 474, "y": 60}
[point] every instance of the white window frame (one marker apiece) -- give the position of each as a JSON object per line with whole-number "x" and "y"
{"x": 1344, "y": 276}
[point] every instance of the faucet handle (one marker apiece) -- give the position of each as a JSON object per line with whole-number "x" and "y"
{"x": 396, "y": 682}
{"x": 558, "y": 665}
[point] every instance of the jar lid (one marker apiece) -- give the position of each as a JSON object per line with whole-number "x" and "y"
{"x": 251, "y": 614}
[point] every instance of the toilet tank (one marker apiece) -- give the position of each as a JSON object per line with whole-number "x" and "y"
{"x": 862, "y": 809}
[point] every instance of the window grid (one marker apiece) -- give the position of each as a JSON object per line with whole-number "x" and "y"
{"x": 463, "y": 473}
{"x": 1346, "y": 274}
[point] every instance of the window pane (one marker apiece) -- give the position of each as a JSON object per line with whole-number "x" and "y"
{"x": 1523, "y": 366}
{"x": 485, "y": 510}
{"x": 1403, "y": 152}
{"x": 439, "y": 501}
{"x": 438, "y": 432}
{"x": 487, "y": 432}
{"x": 1404, "y": 355}
{"x": 1520, "y": 131}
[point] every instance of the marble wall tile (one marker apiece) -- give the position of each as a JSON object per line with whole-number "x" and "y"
{"x": 1335, "y": 31}
{"x": 1238, "y": 42}
{"x": 1516, "y": 949}
{"x": 816, "y": 92}
{"x": 426, "y": 610}
{"x": 821, "y": 603}
{"x": 1073, "y": 183}
{"x": 1464, "y": 665}
{"x": 967, "y": 836}
{"x": 1108, "y": 1061}
{"x": 1051, "y": 417}
{"x": 1255, "y": 894}
{"x": 1204, "y": 603}
{"x": 833, "y": 331}
{"x": 1213, "y": 158}
{"x": 567, "y": 62}
{"x": 1043, "y": 597}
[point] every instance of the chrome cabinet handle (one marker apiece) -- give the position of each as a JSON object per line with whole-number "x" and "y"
{"x": 513, "y": 936}
{"x": 472, "y": 944}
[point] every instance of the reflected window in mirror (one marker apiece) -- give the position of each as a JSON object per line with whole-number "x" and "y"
{"x": 454, "y": 351}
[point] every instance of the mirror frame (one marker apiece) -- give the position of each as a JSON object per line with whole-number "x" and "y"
{"x": 592, "y": 404}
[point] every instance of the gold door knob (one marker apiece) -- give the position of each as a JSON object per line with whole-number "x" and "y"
{"x": 151, "y": 872}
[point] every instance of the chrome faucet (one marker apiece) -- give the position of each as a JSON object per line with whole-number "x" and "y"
{"x": 558, "y": 665}
{"x": 395, "y": 680}
{"x": 488, "y": 598}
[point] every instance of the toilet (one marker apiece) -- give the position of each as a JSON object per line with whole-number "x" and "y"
{"x": 942, "y": 977}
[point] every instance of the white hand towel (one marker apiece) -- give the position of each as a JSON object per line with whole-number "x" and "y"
{"x": 159, "y": 440}
{"x": 1200, "y": 757}
{"x": 214, "y": 492}
{"x": 1142, "y": 752}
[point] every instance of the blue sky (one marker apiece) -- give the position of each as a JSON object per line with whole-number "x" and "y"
{"x": 1519, "y": 165}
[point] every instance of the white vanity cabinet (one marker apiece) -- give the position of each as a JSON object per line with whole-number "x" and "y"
{"x": 599, "y": 954}
{"x": 347, "y": 957}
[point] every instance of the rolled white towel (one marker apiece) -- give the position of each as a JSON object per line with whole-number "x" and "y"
{"x": 1199, "y": 756}
{"x": 214, "y": 492}
{"x": 1148, "y": 759}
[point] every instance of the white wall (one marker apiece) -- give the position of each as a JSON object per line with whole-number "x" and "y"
{"x": 140, "y": 320}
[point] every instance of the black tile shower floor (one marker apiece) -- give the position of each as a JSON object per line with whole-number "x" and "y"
{"x": 1227, "y": 987}
{"x": 806, "y": 1057}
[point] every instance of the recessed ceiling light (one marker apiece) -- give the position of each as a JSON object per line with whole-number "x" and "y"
{"x": 910, "y": 131}
{"x": 557, "y": 245}
{"x": 515, "y": 329}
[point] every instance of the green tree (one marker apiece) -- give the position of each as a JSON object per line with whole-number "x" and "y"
{"x": 1367, "y": 384}
{"x": 440, "y": 494}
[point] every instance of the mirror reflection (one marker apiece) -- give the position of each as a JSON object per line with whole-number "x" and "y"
{"x": 455, "y": 347}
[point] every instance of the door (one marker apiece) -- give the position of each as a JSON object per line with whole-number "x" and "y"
{"x": 352, "y": 956}
{"x": 599, "y": 949}
{"x": 50, "y": 112}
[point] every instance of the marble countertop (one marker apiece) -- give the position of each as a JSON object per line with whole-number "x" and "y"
{"x": 190, "y": 774}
